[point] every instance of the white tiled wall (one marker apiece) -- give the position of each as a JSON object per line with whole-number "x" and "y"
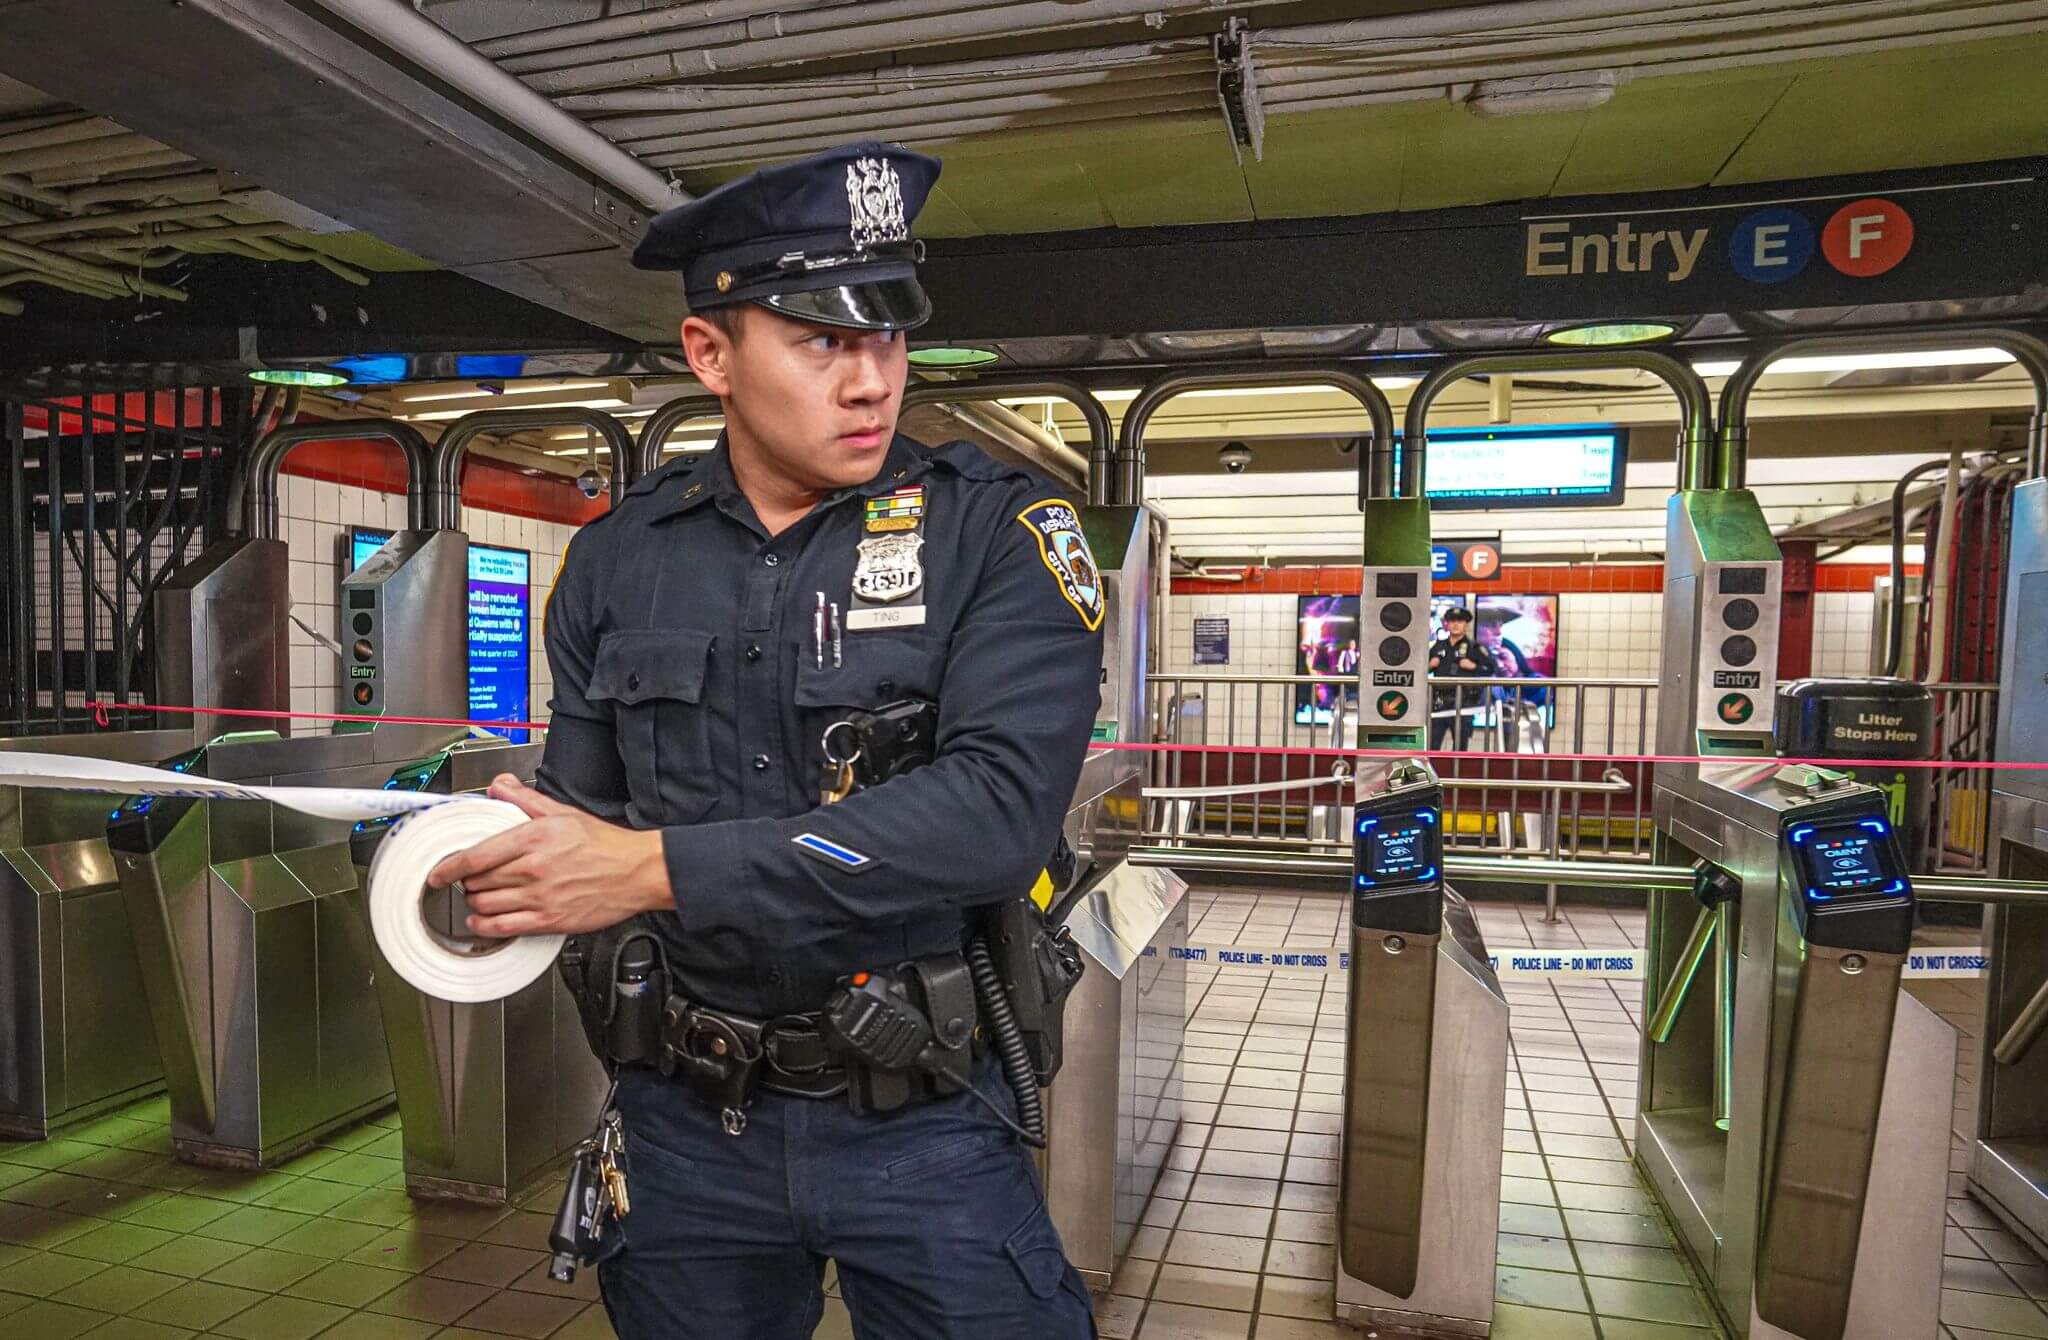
{"x": 316, "y": 516}
{"x": 1841, "y": 632}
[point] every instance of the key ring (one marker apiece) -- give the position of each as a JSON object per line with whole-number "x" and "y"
{"x": 831, "y": 755}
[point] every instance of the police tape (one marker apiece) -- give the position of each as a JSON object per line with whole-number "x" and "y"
{"x": 429, "y": 828}
{"x": 1623, "y": 964}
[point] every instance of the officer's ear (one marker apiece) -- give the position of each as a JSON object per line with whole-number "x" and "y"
{"x": 708, "y": 341}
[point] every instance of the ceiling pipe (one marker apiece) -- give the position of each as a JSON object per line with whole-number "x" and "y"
{"x": 666, "y": 18}
{"x": 1013, "y": 435}
{"x": 847, "y": 31}
{"x": 448, "y": 59}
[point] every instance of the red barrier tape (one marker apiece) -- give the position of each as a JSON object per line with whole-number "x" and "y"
{"x": 101, "y": 707}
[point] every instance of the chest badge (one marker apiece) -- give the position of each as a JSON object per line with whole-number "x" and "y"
{"x": 889, "y": 567}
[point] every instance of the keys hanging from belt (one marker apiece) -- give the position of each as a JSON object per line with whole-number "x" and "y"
{"x": 593, "y": 1198}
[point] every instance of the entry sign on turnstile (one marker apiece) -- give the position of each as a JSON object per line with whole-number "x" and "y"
{"x": 1397, "y": 909}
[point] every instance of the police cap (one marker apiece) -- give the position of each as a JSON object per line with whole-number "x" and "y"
{"x": 824, "y": 238}
{"x": 1457, "y": 612}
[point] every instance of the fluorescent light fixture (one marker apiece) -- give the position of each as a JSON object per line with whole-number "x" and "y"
{"x": 1609, "y": 334}
{"x": 1123, "y": 395}
{"x": 1922, "y": 358}
{"x": 298, "y": 377}
{"x": 618, "y": 406}
{"x": 523, "y": 388}
{"x": 947, "y": 356}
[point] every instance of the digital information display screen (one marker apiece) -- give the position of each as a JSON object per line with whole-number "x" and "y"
{"x": 1471, "y": 469}
{"x": 1848, "y": 860}
{"x": 500, "y": 643}
{"x": 1398, "y": 849}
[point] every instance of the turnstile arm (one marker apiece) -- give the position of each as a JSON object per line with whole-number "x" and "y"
{"x": 1672, "y": 998}
{"x": 2026, "y": 1030}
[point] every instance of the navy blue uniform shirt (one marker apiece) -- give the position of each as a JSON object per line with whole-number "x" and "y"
{"x": 688, "y": 698}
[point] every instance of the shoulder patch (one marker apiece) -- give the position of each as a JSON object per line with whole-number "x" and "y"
{"x": 1056, "y": 525}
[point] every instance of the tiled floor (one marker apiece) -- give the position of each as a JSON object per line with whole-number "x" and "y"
{"x": 102, "y": 1234}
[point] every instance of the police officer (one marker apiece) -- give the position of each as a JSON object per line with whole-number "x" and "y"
{"x": 1456, "y": 655}
{"x": 683, "y": 778}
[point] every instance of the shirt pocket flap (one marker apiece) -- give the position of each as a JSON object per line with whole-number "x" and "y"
{"x": 875, "y": 668}
{"x": 635, "y": 665}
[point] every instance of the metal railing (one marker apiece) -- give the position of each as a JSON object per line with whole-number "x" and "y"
{"x": 1236, "y": 781}
{"x": 1530, "y": 805}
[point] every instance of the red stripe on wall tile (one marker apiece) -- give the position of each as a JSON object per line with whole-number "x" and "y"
{"x": 490, "y": 484}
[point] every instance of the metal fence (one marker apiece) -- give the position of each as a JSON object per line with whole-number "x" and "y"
{"x": 1236, "y": 779}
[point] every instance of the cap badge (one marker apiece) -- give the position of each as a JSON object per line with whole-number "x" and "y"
{"x": 874, "y": 203}
{"x": 724, "y": 281}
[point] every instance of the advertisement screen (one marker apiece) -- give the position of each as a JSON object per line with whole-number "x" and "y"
{"x": 1327, "y": 645}
{"x": 1472, "y": 469}
{"x": 500, "y": 681}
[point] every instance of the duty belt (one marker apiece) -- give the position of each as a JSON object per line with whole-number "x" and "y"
{"x": 722, "y": 1058}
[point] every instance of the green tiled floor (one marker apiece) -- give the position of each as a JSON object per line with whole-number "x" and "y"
{"x": 103, "y": 1234}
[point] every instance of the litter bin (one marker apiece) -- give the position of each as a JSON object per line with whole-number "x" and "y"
{"x": 1875, "y": 719}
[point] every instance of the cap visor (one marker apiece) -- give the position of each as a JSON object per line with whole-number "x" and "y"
{"x": 881, "y": 304}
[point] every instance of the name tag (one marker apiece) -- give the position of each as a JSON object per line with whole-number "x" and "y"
{"x": 908, "y": 616}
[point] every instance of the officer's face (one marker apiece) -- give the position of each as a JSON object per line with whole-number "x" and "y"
{"x": 816, "y": 403}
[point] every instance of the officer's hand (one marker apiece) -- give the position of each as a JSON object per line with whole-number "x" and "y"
{"x": 1468, "y": 665}
{"x": 563, "y": 873}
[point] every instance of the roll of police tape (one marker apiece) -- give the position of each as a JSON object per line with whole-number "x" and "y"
{"x": 463, "y": 969}
{"x": 430, "y": 828}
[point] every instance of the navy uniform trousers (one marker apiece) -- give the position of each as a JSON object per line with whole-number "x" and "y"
{"x": 934, "y": 1215}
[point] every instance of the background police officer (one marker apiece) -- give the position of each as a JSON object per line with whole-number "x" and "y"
{"x": 681, "y": 778}
{"x": 1456, "y": 655}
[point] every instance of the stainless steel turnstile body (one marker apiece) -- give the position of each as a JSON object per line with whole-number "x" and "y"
{"x": 491, "y": 1095}
{"x": 69, "y": 1047}
{"x": 255, "y": 953}
{"x": 2009, "y": 1158}
{"x": 1113, "y": 1113}
{"x": 1720, "y": 1184}
{"x": 1441, "y": 1008}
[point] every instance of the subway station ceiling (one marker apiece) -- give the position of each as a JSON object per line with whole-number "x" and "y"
{"x": 471, "y": 173}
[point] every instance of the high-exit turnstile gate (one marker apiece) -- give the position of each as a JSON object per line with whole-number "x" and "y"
{"x": 1793, "y": 1104}
{"x": 490, "y": 1094}
{"x": 1425, "y": 1085}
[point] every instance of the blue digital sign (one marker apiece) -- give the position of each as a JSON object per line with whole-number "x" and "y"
{"x": 500, "y": 679}
{"x": 1565, "y": 465}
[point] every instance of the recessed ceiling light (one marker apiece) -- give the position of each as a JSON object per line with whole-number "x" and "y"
{"x": 946, "y": 356}
{"x": 298, "y": 377}
{"x": 1607, "y": 334}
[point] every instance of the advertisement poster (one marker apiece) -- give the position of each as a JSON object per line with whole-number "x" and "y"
{"x": 1212, "y": 642}
{"x": 1328, "y": 645}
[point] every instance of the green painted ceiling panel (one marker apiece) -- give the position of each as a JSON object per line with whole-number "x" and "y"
{"x": 1346, "y": 161}
{"x": 1903, "y": 109}
{"x": 1456, "y": 158}
{"x": 1029, "y": 192}
{"x": 1663, "y": 134}
{"x": 1169, "y": 171}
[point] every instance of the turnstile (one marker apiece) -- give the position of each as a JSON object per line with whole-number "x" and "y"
{"x": 1113, "y": 1113}
{"x": 69, "y": 1048}
{"x": 254, "y": 951}
{"x": 1425, "y": 1087}
{"x": 1793, "y": 1103}
{"x": 1793, "y": 1120}
{"x": 2009, "y": 1162}
{"x": 491, "y": 1095}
